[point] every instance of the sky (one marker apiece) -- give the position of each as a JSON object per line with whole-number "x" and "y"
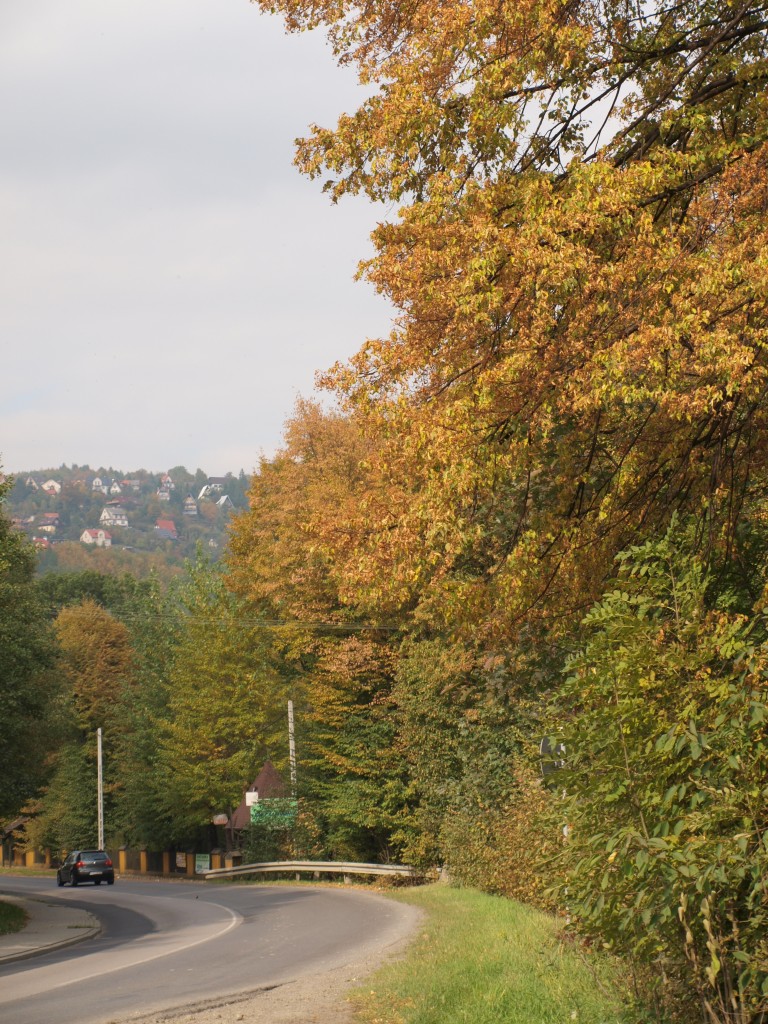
{"x": 169, "y": 282}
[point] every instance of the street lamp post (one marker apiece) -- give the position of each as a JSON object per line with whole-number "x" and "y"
{"x": 100, "y": 789}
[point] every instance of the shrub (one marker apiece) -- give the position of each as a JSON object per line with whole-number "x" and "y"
{"x": 664, "y": 715}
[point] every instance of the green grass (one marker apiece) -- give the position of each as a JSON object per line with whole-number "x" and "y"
{"x": 481, "y": 959}
{"x": 12, "y": 918}
{"x": 22, "y": 872}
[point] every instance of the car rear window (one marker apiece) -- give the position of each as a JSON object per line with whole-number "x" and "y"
{"x": 92, "y": 855}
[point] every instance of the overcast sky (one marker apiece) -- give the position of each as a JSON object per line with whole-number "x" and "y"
{"x": 169, "y": 282}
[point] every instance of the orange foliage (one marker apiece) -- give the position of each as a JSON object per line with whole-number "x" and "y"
{"x": 95, "y": 658}
{"x": 580, "y": 346}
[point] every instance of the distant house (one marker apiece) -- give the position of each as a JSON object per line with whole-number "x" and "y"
{"x": 166, "y": 528}
{"x": 48, "y": 522}
{"x": 113, "y": 515}
{"x": 131, "y": 485}
{"x": 52, "y": 487}
{"x": 215, "y": 485}
{"x": 165, "y": 488}
{"x": 41, "y": 542}
{"x": 97, "y": 484}
{"x": 268, "y": 785}
{"x": 225, "y": 502}
{"x": 115, "y": 488}
{"x": 190, "y": 506}
{"x": 32, "y": 483}
{"x": 101, "y": 538}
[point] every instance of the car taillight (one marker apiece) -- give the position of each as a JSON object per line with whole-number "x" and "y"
{"x": 107, "y": 863}
{"x": 80, "y": 864}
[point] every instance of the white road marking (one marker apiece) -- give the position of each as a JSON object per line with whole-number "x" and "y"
{"x": 172, "y": 938}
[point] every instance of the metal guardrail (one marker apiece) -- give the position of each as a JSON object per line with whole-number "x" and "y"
{"x": 313, "y": 866}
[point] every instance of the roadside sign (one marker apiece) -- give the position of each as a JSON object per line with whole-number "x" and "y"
{"x": 275, "y": 813}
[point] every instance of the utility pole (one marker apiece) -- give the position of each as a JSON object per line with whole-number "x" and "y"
{"x": 100, "y": 789}
{"x": 292, "y": 748}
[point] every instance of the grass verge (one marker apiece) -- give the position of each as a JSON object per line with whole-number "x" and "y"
{"x": 486, "y": 960}
{"x": 25, "y": 872}
{"x": 12, "y": 918}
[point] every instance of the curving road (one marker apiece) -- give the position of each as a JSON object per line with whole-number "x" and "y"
{"x": 167, "y": 944}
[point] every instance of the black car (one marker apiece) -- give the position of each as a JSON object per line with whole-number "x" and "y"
{"x": 86, "y": 866}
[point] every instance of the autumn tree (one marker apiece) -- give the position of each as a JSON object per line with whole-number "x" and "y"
{"x": 284, "y": 561}
{"x": 579, "y": 353}
{"x": 577, "y": 271}
{"x": 94, "y": 663}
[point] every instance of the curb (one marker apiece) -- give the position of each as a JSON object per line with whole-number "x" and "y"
{"x": 50, "y": 926}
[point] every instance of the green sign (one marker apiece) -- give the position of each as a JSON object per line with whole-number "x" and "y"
{"x": 202, "y": 862}
{"x": 275, "y": 813}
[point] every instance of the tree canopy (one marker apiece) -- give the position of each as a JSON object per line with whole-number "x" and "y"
{"x": 578, "y": 274}
{"x": 26, "y": 686}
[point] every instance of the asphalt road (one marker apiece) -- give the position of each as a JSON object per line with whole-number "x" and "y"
{"x": 168, "y": 944}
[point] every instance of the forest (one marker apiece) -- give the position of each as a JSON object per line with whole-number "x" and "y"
{"x": 532, "y": 518}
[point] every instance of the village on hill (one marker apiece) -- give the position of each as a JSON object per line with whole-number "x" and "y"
{"x": 143, "y": 517}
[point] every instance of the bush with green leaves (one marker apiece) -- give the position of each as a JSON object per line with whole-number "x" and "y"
{"x": 664, "y": 716}
{"x": 27, "y": 685}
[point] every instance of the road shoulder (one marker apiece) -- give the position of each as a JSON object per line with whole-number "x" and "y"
{"x": 312, "y": 999}
{"x": 51, "y": 924}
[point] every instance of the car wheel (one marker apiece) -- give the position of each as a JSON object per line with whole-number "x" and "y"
{"x": 110, "y": 881}
{"x": 97, "y": 881}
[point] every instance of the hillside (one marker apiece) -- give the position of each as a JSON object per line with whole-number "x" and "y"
{"x": 118, "y": 521}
